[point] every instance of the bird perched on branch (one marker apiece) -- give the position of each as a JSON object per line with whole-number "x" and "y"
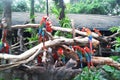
{"x": 97, "y": 31}
{"x": 89, "y": 34}
{"x": 45, "y": 24}
{"x": 61, "y": 54}
{"x": 4, "y": 46}
{"x": 79, "y": 52}
{"x": 88, "y": 56}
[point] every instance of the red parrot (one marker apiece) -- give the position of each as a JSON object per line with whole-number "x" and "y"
{"x": 4, "y": 46}
{"x": 79, "y": 52}
{"x": 88, "y": 51}
{"x": 60, "y": 53}
{"x": 41, "y": 32}
{"x": 97, "y": 31}
{"x": 48, "y": 26}
{"x": 86, "y": 54}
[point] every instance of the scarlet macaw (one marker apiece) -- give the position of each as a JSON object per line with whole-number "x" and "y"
{"x": 44, "y": 24}
{"x": 4, "y": 46}
{"x": 41, "y": 32}
{"x": 48, "y": 26}
{"x": 97, "y": 31}
{"x": 60, "y": 53}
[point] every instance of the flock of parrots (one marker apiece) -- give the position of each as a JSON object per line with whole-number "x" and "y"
{"x": 45, "y": 25}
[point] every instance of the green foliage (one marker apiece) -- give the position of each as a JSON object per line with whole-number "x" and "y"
{"x": 117, "y": 39}
{"x": 92, "y": 6}
{"x": 114, "y": 29}
{"x": 88, "y": 74}
{"x": 40, "y": 7}
{"x": 65, "y": 23}
{"x": 111, "y": 73}
{"x": 116, "y": 58}
{"x": 19, "y": 6}
{"x": 1, "y": 79}
{"x": 102, "y": 73}
{"x": 34, "y": 36}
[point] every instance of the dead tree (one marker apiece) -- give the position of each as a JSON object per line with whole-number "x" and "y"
{"x": 51, "y": 69}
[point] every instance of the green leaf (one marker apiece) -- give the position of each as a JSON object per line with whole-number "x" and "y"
{"x": 113, "y": 29}
{"x": 115, "y": 57}
{"x": 108, "y": 68}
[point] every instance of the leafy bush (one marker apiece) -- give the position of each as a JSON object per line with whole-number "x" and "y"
{"x": 93, "y": 7}
{"x": 19, "y": 6}
{"x": 65, "y": 23}
{"x": 117, "y": 45}
{"x": 102, "y": 73}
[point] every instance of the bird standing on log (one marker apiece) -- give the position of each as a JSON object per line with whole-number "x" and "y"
{"x": 89, "y": 34}
{"x": 78, "y": 50}
{"x": 97, "y": 31}
{"x": 89, "y": 56}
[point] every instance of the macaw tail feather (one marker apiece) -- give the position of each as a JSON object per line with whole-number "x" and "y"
{"x": 91, "y": 46}
{"x": 80, "y": 56}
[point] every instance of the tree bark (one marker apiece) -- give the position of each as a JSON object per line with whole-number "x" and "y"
{"x": 32, "y": 11}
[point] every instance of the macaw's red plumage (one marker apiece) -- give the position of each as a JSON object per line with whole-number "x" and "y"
{"x": 87, "y": 49}
{"x": 55, "y": 56}
{"x": 61, "y": 54}
{"x": 79, "y": 48}
{"x": 4, "y": 46}
{"x": 39, "y": 59}
{"x": 88, "y": 56}
{"x": 60, "y": 51}
{"x": 4, "y": 35}
{"x": 44, "y": 18}
{"x": 97, "y": 31}
{"x": 48, "y": 26}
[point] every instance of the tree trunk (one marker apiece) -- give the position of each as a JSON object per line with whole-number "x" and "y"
{"x": 32, "y": 11}
{"x": 7, "y": 11}
{"x": 60, "y": 5}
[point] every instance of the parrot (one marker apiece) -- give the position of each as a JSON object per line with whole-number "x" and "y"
{"x": 44, "y": 24}
{"x": 4, "y": 46}
{"x": 48, "y": 26}
{"x": 60, "y": 53}
{"x": 89, "y": 34}
{"x": 89, "y": 56}
{"x": 97, "y": 31}
{"x": 78, "y": 50}
{"x": 41, "y": 32}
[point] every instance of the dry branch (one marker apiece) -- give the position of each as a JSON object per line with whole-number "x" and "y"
{"x": 55, "y": 28}
{"x": 106, "y": 60}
